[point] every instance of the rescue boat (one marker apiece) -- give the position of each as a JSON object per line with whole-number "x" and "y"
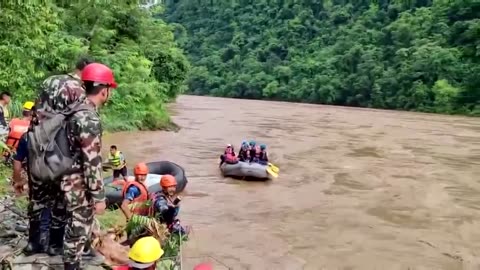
{"x": 113, "y": 189}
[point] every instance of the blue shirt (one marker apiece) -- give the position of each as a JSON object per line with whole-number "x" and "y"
{"x": 132, "y": 193}
{"x": 22, "y": 149}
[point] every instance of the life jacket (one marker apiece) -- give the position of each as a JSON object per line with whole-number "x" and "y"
{"x": 115, "y": 160}
{"x": 17, "y": 128}
{"x": 263, "y": 155}
{"x": 122, "y": 267}
{"x": 258, "y": 151}
{"x": 167, "y": 217}
{"x": 140, "y": 204}
{"x": 229, "y": 157}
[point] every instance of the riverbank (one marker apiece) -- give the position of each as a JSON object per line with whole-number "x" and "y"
{"x": 14, "y": 226}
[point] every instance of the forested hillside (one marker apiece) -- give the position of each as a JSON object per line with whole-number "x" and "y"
{"x": 41, "y": 38}
{"x": 419, "y": 55}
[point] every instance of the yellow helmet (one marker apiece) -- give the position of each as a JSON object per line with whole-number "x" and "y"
{"x": 145, "y": 252}
{"x": 28, "y": 105}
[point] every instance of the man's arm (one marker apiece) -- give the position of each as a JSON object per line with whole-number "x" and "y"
{"x": 2, "y": 118}
{"x": 91, "y": 143}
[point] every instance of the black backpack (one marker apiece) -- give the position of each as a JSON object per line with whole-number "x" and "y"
{"x": 49, "y": 155}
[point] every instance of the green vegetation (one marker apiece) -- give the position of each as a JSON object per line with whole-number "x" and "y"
{"x": 421, "y": 55}
{"x": 44, "y": 38}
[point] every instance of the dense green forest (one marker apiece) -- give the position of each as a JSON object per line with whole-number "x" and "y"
{"x": 41, "y": 38}
{"x": 421, "y": 55}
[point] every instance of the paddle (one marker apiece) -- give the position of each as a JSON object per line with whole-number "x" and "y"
{"x": 273, "y": 168}
{"x": 272, "y": 173}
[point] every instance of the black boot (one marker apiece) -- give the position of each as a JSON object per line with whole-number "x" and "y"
{"x": 71, "y": 266}
{"x": 55, "y": 246}
{"x": 36, "y": 239}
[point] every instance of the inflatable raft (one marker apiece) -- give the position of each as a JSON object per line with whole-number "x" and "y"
{"x": 245, "y": 169}
{"x": 113, "y": 190}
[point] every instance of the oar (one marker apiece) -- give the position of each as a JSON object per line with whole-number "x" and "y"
{"x": 273, "y": 168}
{"x": 272, "y": 173}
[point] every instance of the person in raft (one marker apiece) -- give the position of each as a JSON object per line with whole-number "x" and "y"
{"x": 144, "y": 254}
{"x": 228, "y": 156}
{"x": 135, "y": 192}
{"x": 244, "y": 152}
{"x": 166, "y": 204}
{"x": 117, "y": 160}
{"x": 263, "y": 156}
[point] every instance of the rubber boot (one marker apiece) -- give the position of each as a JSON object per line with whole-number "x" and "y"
{"x": 36, "y": 239}
{"x": 55, "y": 246}
{"x": 71, "y": 266}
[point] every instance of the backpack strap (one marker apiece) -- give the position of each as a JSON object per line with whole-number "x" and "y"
{"x": 76, "y": 107}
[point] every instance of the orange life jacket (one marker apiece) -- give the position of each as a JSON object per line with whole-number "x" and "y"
{"x": 139, "y": 206}
{"x": 17, "y": 128}
{"x": 229, "y": 157}
{"x": 258, "y": 152}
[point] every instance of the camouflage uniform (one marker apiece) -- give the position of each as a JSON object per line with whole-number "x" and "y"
{"x": 57, "y": 93}
{"x": 85, "y": 188}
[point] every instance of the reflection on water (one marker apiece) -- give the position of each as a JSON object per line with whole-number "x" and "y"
{"x": 358, "y": 188}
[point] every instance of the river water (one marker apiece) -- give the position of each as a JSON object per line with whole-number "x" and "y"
{"x": 358, "y": 188}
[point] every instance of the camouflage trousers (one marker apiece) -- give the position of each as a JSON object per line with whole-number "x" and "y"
{"x": 80, "y": 208}
{"x": 44, "y": 196}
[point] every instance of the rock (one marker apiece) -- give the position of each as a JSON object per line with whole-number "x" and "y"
{"x": 5, "y": 250}
{"x": 21, "y": 228}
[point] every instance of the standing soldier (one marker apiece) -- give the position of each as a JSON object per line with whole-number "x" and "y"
{"x": 84, "y": 191}
{"x": 58, "y": 92}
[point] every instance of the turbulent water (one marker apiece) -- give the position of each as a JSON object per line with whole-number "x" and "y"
{"x": 358, "y": 188}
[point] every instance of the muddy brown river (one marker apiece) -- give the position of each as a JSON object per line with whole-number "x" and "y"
{"x": 358, "y": 188}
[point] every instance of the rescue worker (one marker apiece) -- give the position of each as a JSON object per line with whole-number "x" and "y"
{"x": 57, "y": 92}
{"x": 5, "y": 98}
{"x": 254, "y": 151}
{"x": 20, "y": 178}
{"x": 4, "y": 114}
{"x": 263, "y": 158}
{"x": 228, "y": 156}
{"x": 144, "y": 254}
{"x": 117, "y": 160}
{"x": 244, "y": 152}
{"x": 84, "y": 190}
{"x": 166, "y": 202}
{"x": 134, "y": 191}
{"x": 17, "y": 127}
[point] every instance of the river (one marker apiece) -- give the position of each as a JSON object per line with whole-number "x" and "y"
{"x": 358, "y": 188}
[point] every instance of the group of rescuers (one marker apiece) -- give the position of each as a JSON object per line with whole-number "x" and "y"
{"x": 61, "y": 212}
{"x": 249, "y": 152}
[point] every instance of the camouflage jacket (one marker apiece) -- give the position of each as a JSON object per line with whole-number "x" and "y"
{"x": 58, "y": 92}
{"x": 85, "y": 136}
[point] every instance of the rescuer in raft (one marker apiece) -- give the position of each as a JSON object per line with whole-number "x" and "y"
{"x": 228, "y": 156}
{"x": 166, "y": 204}
{"x": 263, "y": 156}
{"x": 135, "y": 192}
{"x": 17, "y": 127}
{"x": 244, "y": 153}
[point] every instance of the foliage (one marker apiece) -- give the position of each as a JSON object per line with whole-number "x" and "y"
{"x": 44, "y": 38}
{"x": 419, "y": 55}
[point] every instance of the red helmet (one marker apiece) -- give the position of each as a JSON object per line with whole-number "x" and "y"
{"x": 167, "y": 180}
{"x": 99, "y": 73}
{"x": 140, "y": 169}
{"x": 203, "y": 266}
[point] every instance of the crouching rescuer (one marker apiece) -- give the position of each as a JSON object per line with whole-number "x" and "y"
{"x": 135, "y": 193}
{"x": 167, "y": 204}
